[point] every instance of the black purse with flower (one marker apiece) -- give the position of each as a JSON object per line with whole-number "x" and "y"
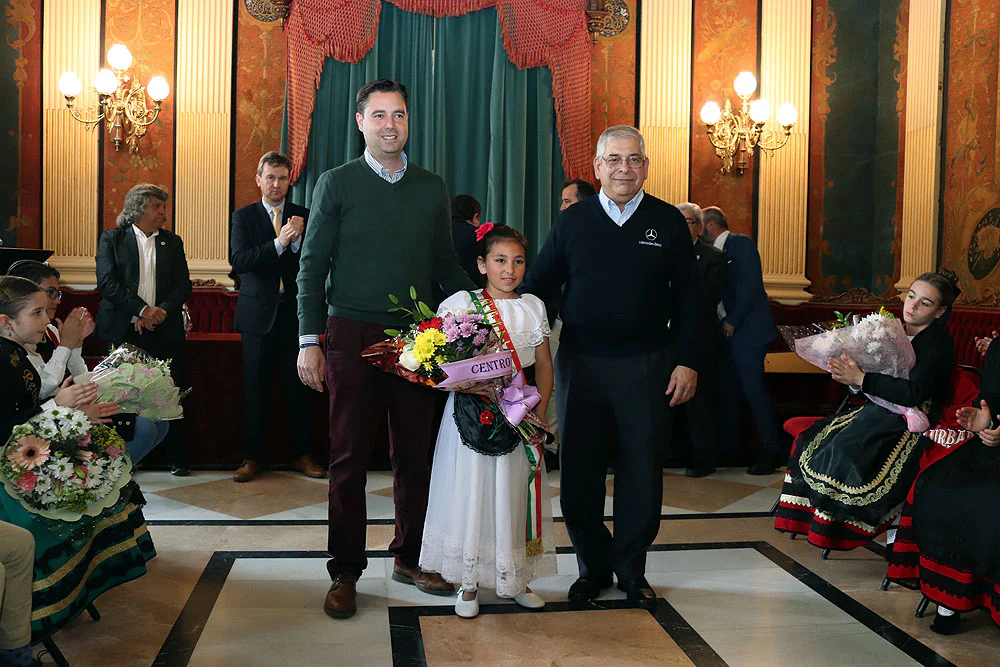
{"x": 482, "y": 426}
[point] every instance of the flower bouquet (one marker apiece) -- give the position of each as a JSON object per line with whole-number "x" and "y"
{"x": 61, "y": 466}
{"x": 461, "y": 351}
{"x": 138, "y": 383}
{"x": 878, "y": 344}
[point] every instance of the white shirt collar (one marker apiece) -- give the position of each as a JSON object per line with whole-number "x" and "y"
{"x": 269, "y": 208}
{"x": 720, "y": 240}
{"x": 384, "y": 172}
{"x": 141, "y": 235}
{"x": 616, "y": 214}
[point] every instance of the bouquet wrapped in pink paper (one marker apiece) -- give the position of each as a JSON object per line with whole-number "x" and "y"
{"x": 878, "y": 344}
{"x": 460, "y": 351}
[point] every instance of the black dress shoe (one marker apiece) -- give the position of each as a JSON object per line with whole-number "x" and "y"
{"x": 766, "y": 464}
{"x": 179, "y": 470}
{"x": 699, "y": 471}
{"x": 585, "y": 589}
{"x": 945, "y": 625}
{"x": 639, "y": 593}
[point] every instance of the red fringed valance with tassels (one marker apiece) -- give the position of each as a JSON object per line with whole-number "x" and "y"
{"x": 536, "y": 32}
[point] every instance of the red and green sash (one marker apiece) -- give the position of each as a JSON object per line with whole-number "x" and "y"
{"x": 485, "y": 305}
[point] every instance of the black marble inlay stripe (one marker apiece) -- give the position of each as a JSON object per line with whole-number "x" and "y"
{"x": 408, "y": 642}
{"x": 389, "y": 522}
{"x": 880, "y": 626}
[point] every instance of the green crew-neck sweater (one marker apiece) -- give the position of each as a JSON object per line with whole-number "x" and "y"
{"x": 367, "y": 238}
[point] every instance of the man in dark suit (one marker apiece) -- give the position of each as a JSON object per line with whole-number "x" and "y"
{"x": 702, "y": 410}
{"x": 143, "y": 280}
{"x": 748, "y": 326}
{"x": 265, "y": 244}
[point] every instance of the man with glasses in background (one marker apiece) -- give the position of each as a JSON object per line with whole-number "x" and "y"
{"x": 702, "y": 411}
{"x": 631, "y": 323}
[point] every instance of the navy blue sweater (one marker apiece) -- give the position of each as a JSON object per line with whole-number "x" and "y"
{"x": 623, "y": 285}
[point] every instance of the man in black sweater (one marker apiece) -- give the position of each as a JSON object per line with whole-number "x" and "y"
{"x": 631, "y": 322}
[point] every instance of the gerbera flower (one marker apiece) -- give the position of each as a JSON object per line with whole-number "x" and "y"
{"x": 31, "y": 452}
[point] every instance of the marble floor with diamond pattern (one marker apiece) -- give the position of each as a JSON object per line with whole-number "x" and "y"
{"x": 240, "y": 578}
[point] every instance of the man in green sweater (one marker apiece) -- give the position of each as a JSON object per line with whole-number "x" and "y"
{"x": 378, "y": 225}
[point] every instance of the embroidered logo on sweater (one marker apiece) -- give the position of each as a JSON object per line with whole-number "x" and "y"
{"x": 651, "y": 239}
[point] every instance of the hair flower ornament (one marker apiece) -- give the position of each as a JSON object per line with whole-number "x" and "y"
{"x": 483, "y": 229}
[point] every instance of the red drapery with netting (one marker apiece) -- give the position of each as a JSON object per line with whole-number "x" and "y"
{"x": 536, "y": 32}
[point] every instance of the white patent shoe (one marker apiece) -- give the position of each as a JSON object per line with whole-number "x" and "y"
{"x": 529, "y": 600}
{"x": 467, "y": 608}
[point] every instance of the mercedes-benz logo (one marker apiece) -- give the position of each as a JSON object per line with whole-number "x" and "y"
{"x": 650, "y": 234}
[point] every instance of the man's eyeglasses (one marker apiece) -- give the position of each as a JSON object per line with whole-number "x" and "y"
{"x": 53, "y": 292}
{"x": 615, "y": 161}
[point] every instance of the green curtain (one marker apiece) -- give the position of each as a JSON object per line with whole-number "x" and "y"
{"x": 486, "y": 127}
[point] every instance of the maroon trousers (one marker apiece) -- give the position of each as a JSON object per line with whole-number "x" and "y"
{"x": 361, "y": 396}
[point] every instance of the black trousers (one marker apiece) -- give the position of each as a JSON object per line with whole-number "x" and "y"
{"x": 261, "y": 352}
{"x": 167, "y": 343}
{"x": 599, "y": 397}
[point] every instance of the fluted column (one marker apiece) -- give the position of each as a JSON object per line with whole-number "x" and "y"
{"x": 665, "y": 96}
{"x": 70, "y": 168}
{"x": 204, "y": 115}
{"x": 784, "y": 183}
{"x": 921, "y": 169}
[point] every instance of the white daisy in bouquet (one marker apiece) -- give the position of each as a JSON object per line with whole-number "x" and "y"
{"x": 62, "y": 465}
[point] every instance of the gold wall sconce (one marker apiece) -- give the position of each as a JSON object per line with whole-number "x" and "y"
{"x": 743, "y": 132}
{"x": 121, "y": 99}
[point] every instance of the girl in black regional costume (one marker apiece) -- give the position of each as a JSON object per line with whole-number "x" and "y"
{"x": 948, "y": 544}
{"x": 74, "y": 562}
{"x": 849, "y": 474}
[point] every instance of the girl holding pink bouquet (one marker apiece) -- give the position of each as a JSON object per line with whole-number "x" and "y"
{"x": 849, "y": 473}
{"x": 487, "y": 488}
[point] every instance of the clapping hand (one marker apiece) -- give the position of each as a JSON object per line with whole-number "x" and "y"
{"x": 100, "y": 412}
{"x": 78, "y": 325}
{"x": 845, "y": 370}
{"x": 978, "y": 420}
{"x": 298, "y": 225}
{"x": 983, "y": 344}
{"x": 74, "y": 395}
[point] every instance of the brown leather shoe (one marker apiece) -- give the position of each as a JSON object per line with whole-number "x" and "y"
{"x": 428, "y": 582}
{"x": 341, "y": 598}
{"x": 308, "y": 467}
{"x": 247, "y": 471}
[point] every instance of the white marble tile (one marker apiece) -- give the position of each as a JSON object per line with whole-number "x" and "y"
{"x": 281, "y": 569}
{"x": 238, "y": 651}
{"x": 160, "y": 508}
{"x": 380, "y": 507}
{"x": 707, "y": 559}
{"x": 760, "y": 501}
{"x": 378, "y": 480}
{"x": 847, "y": 645}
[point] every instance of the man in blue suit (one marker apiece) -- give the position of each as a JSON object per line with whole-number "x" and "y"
{"x": 748, "y": 326}
{"x": 266, "y": 237}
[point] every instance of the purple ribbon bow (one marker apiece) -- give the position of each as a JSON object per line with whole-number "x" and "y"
{"x": 518, "y": 399}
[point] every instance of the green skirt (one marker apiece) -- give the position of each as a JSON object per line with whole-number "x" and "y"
{"x": 76, "y": 562}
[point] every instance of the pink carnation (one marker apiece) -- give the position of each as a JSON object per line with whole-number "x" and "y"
{"x": 83, "y": 440}
{"x": 113, "y": 452}
{"x": 27, "y": 481}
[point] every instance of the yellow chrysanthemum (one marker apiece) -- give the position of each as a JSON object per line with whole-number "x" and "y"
{"x": 426, "y": 344}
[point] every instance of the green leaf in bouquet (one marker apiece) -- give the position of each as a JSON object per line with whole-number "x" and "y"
{"x": 391, "y": 333}
{"x": 425, "y": 310}
{"x": 393, "y": 299}
{"x": 413, "y": 293}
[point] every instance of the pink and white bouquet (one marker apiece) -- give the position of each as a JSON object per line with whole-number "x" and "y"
{"x": 878, "y": 344}
{"x": 61, "y": 465}
{"x": 138, "y": 382}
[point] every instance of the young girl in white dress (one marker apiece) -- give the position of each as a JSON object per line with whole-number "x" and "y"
{"x": 475, "y": 530}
